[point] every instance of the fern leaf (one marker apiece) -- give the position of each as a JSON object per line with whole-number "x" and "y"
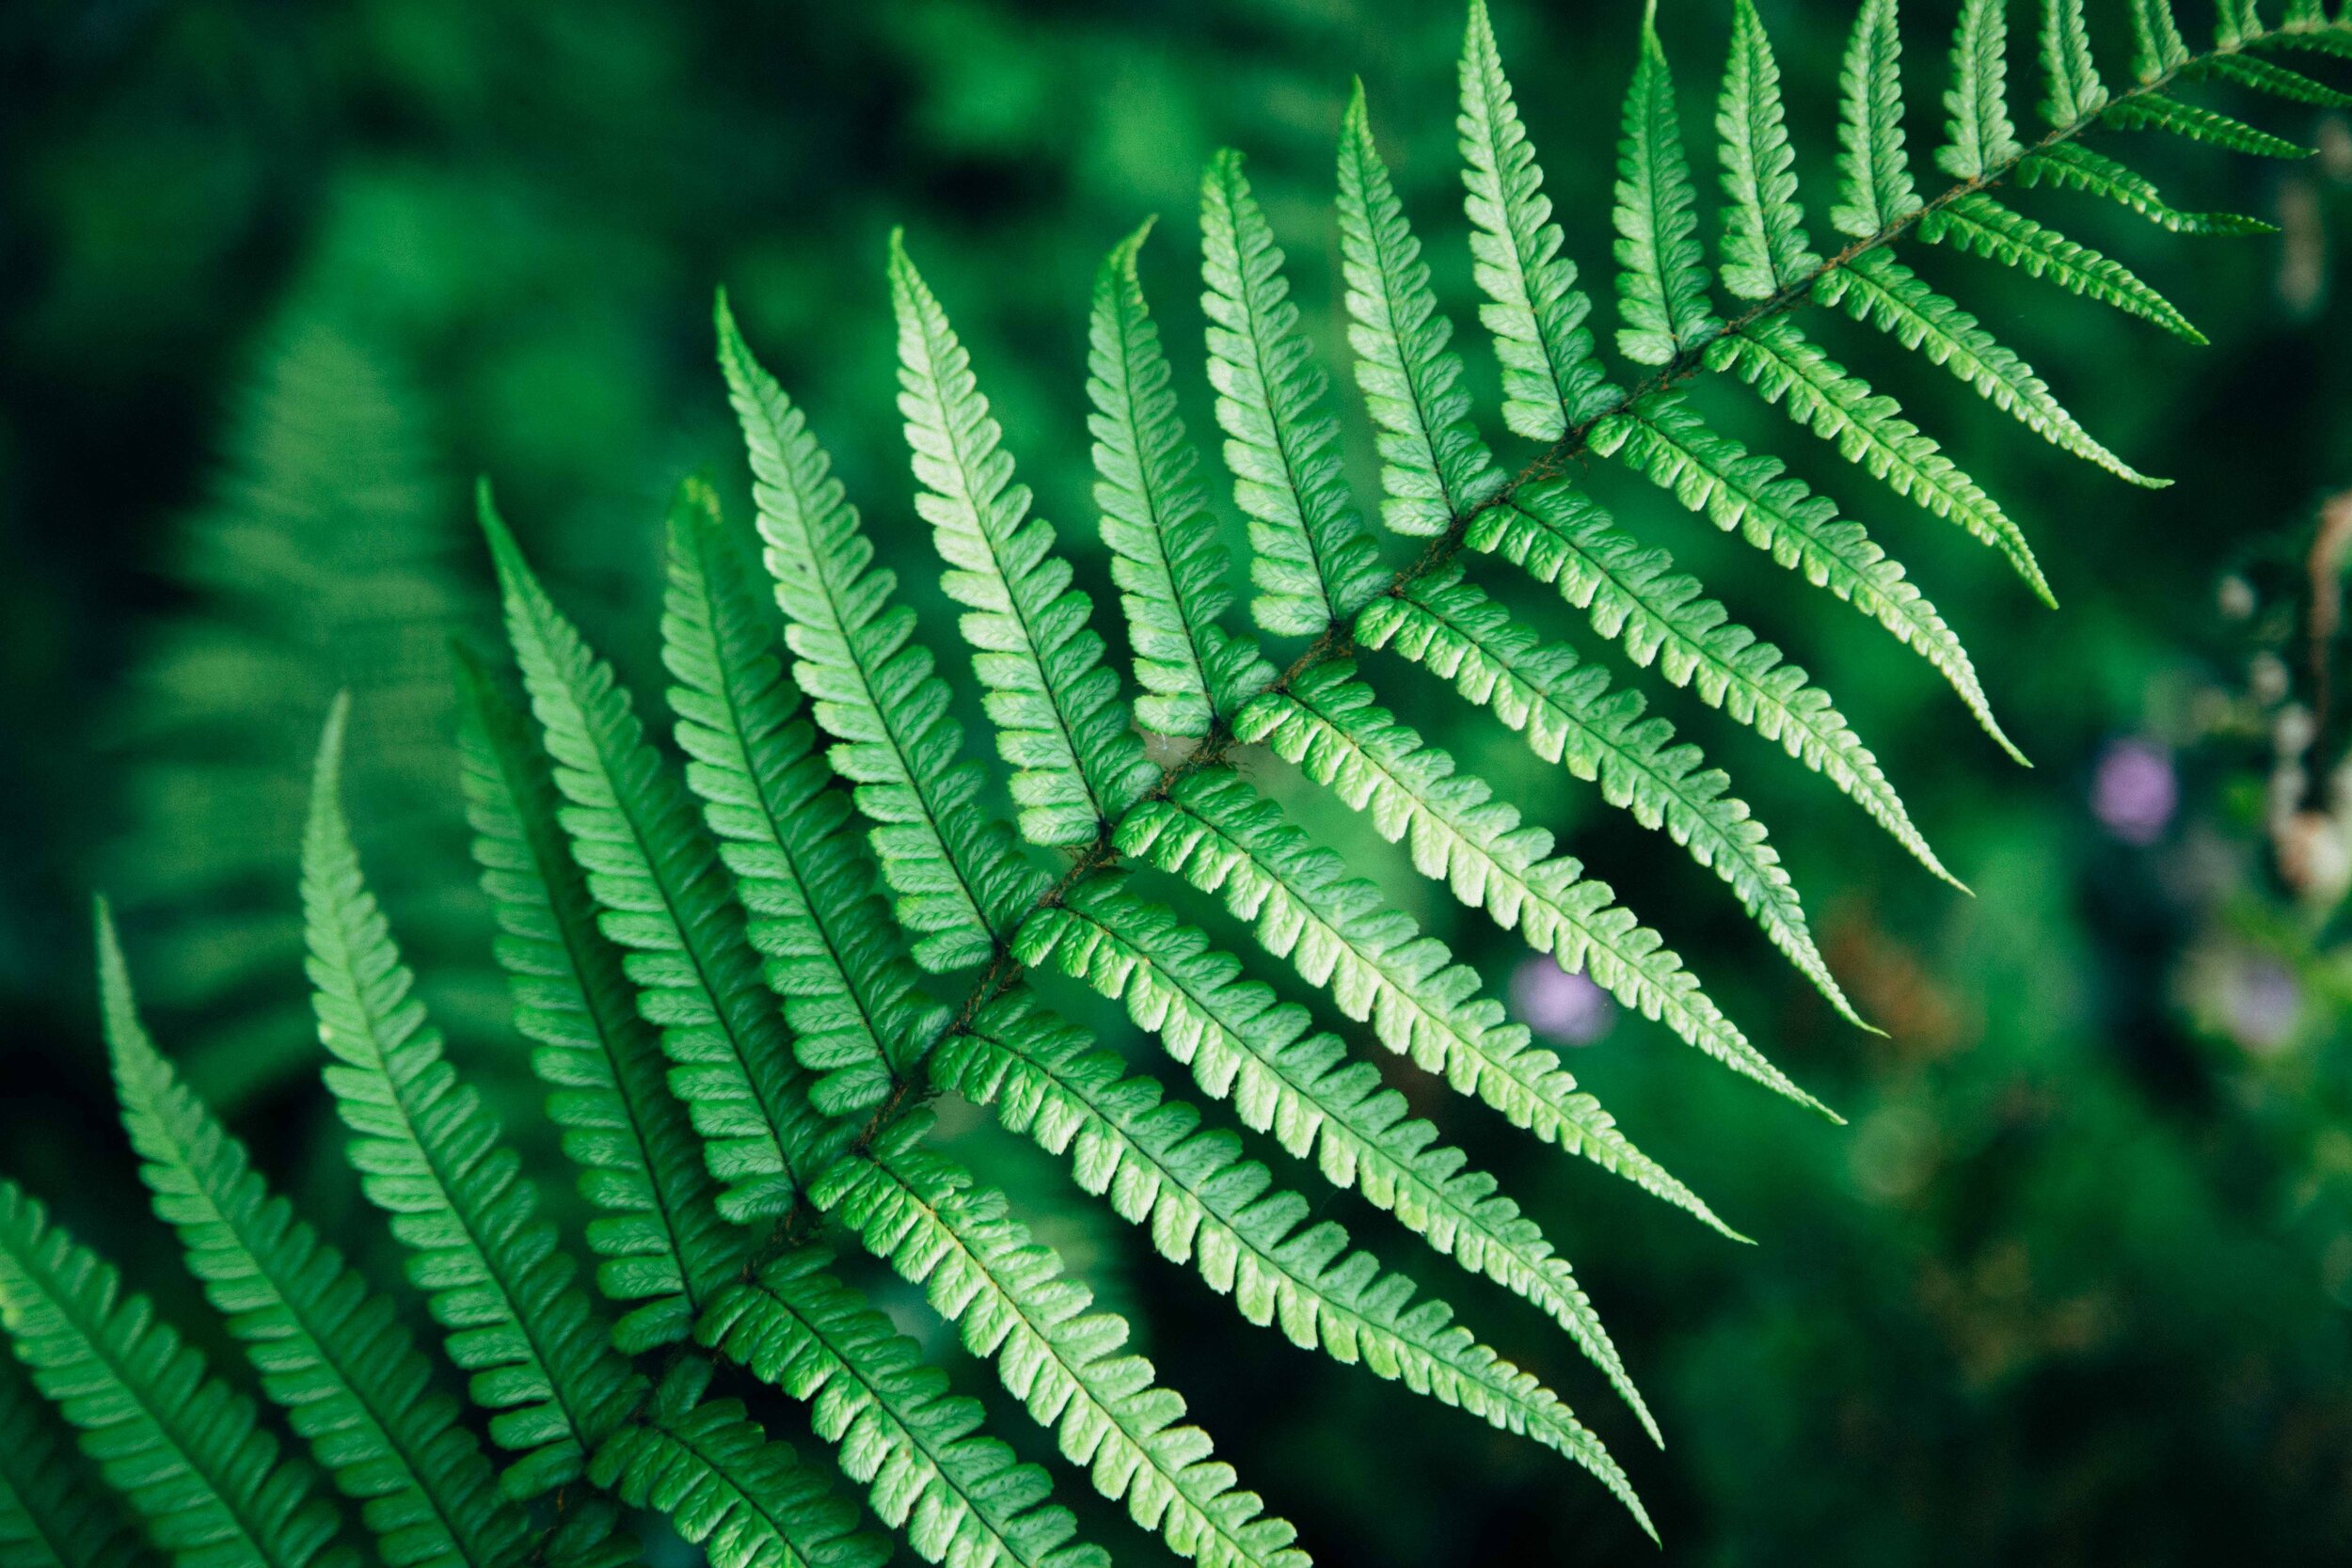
{"x": 982, "y": 1272}
{"x": 1786, "y": 368}
{"x": 53, "y": 1511}
{"x": 1662, "y": 275}
{"x": 1568, "y": 714}
{"x": 1434, "y": 469}
{"x": 1876, "y": 288}
{"x": 1338, "y": 931}
{"x": 1313, "y": 563}
{"x": 328, "y": 1350}
{"x": 858, "y": 1015}
{"x": 2158, "y": 48}
{"x": 1303, "y": 1088}
{"x": 2070, "y": 166}
{"x": 2075, "y": 91}
{"x": 1874, "y": 186}
{"x": 1715, "y": 477}
{"x": 666, "y": 899}
{"x": 728, "y": 1488}
{"x": 1765, "y": 247}
{"x": 2268, "y": 76}
{"x": 1156, "y": 520}
{"x": 1060, "y": 722}
{"x": 960, "y": 1496}
{"x": 2154, "y": 111}
{"x": 1979, "y": 224}
{"x": 2312, "y": 36}
{"x": 1328, "y": 722}
{"x": 659, "y": 1233}
{"x": 2236, "y": 21}
{"x": 430, "y": 1155}
{"x": 959, "y": 880}
{"x": 1534, "y": 311}
{"x": 1980, "y": 139}
{"x": 1210, "y": 1207}
{"x": 175, "y": 1441}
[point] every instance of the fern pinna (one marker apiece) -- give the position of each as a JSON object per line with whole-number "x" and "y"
{"x": 743, "y": 979}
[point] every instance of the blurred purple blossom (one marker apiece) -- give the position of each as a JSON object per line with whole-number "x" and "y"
{"x": 1563, "y": 1007}
{"x": 2134, "y": 793}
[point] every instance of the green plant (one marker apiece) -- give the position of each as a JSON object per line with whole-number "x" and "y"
{"x": 744, "y": 983}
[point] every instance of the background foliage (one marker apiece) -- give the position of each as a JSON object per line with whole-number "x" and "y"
{"x": 2073, "y": 1285}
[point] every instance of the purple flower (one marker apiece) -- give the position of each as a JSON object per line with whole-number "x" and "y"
{"x": 1561, "y": 1005}
{"x": 2134, "y": 793}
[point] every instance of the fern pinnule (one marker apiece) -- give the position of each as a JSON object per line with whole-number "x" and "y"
{"x": 55, "y": 1511}
{"x": 1765, "y": 249}
{"x": 1662, "y": 273}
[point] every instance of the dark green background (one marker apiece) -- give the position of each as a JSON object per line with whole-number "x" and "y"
{"x": 2073, "y": 1286}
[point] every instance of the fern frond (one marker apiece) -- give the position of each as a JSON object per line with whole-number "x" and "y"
{"x": 959, "y": 880}
{"x": 2070, "y": 166}
{"x": 981, "y": 1271}
{"x": 1877, "y": 289}
{"x": 1534, "y": 311}
{"x": 1156, "y": 519}
{"x": 1755, "y": 494}
{"x": 169, "y": 1436}
{"x": 1979, "y": 136}
{"x": 1059, "y": 721}
{"x": 1300, "y": 1085}
{"x": 1434, "y": 468}
{"x": 960, "y": 1496}
{"x": 1765, "y": 247}
{"x": 858, "y": 1015}
{"x": 1788, "y": 369}
{"x": 430, "y": 1155}
{"x": 659, "y": 1233}
{"x": 1978, "y": 223}
{"x": 330, "y": 1350}
{"x": 1329, "y": 723}
{"x": 1210, "y": 1207}
{"x": 726, "y": 1486}
{"x": 2154, "y": 111}
{"x": 2159, "y": 47}
{"x": 666, "y": 899}
{"x": 1661, "y": 275}
{"x": 1568, "y": 714}
{"x": 1874, "y": 186}
{"x": 1338, "y": 931}
{"x": 53, "y": 1513}
{"x": 2268, "y": 76}
{"x": 2311, "y": 36}
{"x": 2075, "y": 91}
{"x": 1313, "y": 563}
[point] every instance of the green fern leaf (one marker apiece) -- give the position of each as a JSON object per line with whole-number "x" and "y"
{"x": 1982, "y": 140}
{"x": 1434, "y": 469}
{"x": 2154, "y": 111}
{"x": 430, "y": 1155}
{"x": 1979, "y": 224}
{"x": 173, "y": 1440}
{"x": 2070, "y": 166}
{"x": 2236, "y": 21}
{"x": 1786, "y": 368}
{"x": 53, "y": 1511}
{"x": 1534, "y": 311}
{"x": 727, "y": 1487}
{"x": 1303, "y": 1088}
{"x": 960, "y": 1496}
{"x": 1765, "y": 247}
{"x": 1715, "y": 477}
{"x": 1060, "y": 722}
{"x": 858, "y": 1015}
{"x": 659, "y": 1233}
{"x": 982, "y": 1272}
{"x": 1568, "y": 714}
{"x": 1876, "y": 288}
{"x": 2158, "y": 48}
{"x": 1156, "y": 519}
{"x": 2313, "y": 37}
{"x": 959, "y": 880}
{"x": 1662, "y": 275}
{"x": 2268, "y": 76}
{"x": 328, "y": 1350}
{"x": 1874, "y": 186}
{"x": 2075, "y": 91}
{"x": 1209, "y": 1207}
{"x": 1313, "y": 563}
{"x": 1338, "y": 931}
{"x": 1329, "y": 723}
{"x": 667, "y": 900}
